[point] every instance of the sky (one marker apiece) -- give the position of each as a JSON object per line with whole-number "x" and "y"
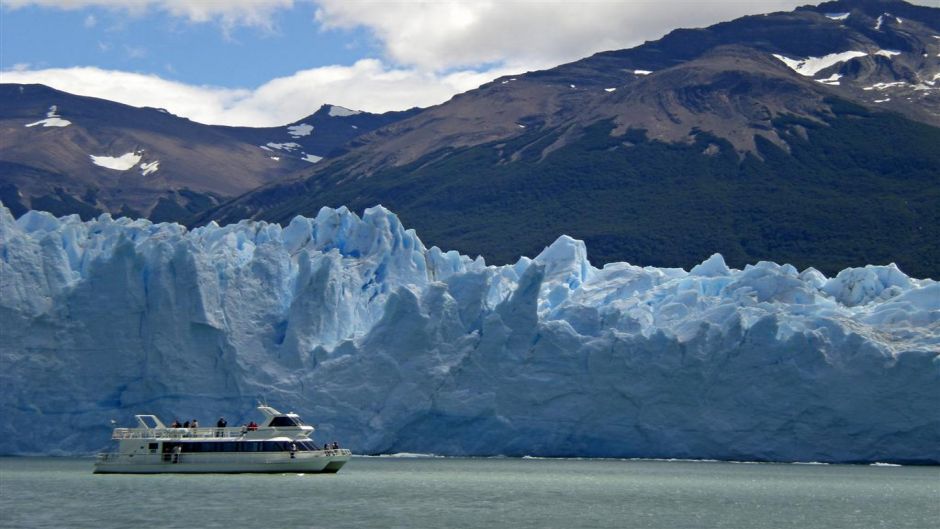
{"x": 272, "y": 62}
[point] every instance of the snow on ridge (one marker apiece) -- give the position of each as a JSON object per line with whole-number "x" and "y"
{"x": 299, "y": 130}
{"x": 885, "y": 86}
{"x": 356, "y": 324}
{"x": 887, "y": 53}
{"x": 881, "y": 20}
{"x": 642, "y": 72}
{"x": 341, "y": 112}
{"x": 53, "y": 119}
{"x": 837, "y": 16}
{"x": 810, "y": 66}
{"x": 149, "y": 167}
{"x": 286, "y": 146}
{"x": 832, "y": 80}
{"x": 118, "y": 163}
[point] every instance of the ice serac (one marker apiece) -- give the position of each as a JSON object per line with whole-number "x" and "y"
{"x": 393, "y": 347}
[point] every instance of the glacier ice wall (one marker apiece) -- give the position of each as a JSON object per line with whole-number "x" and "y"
{"x": 390, "y": 347}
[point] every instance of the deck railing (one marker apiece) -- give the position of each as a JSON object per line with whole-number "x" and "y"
{"x": 180, "y": 433}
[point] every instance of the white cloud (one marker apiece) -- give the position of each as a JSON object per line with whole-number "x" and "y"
{"x": 432, "y": 50}
{"x": 368, "y": 85}
{"x": 90, "y": 21}
{"x": 468, "y": 33}
{"x": 459, "y": 34}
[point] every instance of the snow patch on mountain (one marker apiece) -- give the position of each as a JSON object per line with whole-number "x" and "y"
{"x": 885, "y": 86}
{"x": 887, "y": 53}
{"x": 837, "y": 16}
{"x": 117, "y": 163}
{"x": 810, "y": 66}
{"x": 391, "y": 347}
{"x": 299, "y": 131}
{"x": 147, "y": 168}
{"x": 832, "y": 80}
{"x": 882, "y": 18}
{"x": 53, "y": 119}
{"x": 312, "y": 158}
{"x": 340, "y": 112}
{"x": 287, "y": 146}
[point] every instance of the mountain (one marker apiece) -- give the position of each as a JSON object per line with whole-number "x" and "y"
{"x": 807, "y": 137}
{"x": 389, "y": 346}
{"x": 70, "y": 154}
{"x": 323, "y": 134}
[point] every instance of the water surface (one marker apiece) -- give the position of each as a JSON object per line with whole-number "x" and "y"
{"x": 456, "y": 493}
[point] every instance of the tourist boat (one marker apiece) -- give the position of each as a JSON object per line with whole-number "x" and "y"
{"x": 281, "y": 443}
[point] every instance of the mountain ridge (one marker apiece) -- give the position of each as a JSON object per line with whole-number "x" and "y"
{"x": 750, "y": 88}
{"x": 93, "y": 155}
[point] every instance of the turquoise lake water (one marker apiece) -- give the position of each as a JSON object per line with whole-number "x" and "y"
{"x": 458, "y": 493}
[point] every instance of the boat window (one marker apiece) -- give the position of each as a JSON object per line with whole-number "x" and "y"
{"x": 239, "y": 446}
{"x": 148, "y": 420}
{"x": 283, "y": 420}
{"x": 276, "y": 446}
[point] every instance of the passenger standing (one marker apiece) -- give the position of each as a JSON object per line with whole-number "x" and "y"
{"x": 221, "y": 427}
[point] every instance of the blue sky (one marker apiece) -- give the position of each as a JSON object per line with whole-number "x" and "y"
{"x": 177, "y": 48}
{"x": 272, "y": 62}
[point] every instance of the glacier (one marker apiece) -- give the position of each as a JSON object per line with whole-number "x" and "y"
{"x": 389, "y": 346}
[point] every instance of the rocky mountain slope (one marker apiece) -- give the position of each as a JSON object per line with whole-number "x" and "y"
{"x": 807, "y": 136}
{"x": 323, "y": 134}
{"x": 70, "y": 154}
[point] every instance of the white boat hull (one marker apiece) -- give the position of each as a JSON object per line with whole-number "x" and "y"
{"x": 326, "y": 462}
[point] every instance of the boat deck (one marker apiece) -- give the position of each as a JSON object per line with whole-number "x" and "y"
{"x": 227, "y": 433}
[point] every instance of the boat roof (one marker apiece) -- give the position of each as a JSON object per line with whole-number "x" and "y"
{"x": 153, "y": 422}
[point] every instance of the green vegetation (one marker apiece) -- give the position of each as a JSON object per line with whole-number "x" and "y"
{"x": 864, "y": 188}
